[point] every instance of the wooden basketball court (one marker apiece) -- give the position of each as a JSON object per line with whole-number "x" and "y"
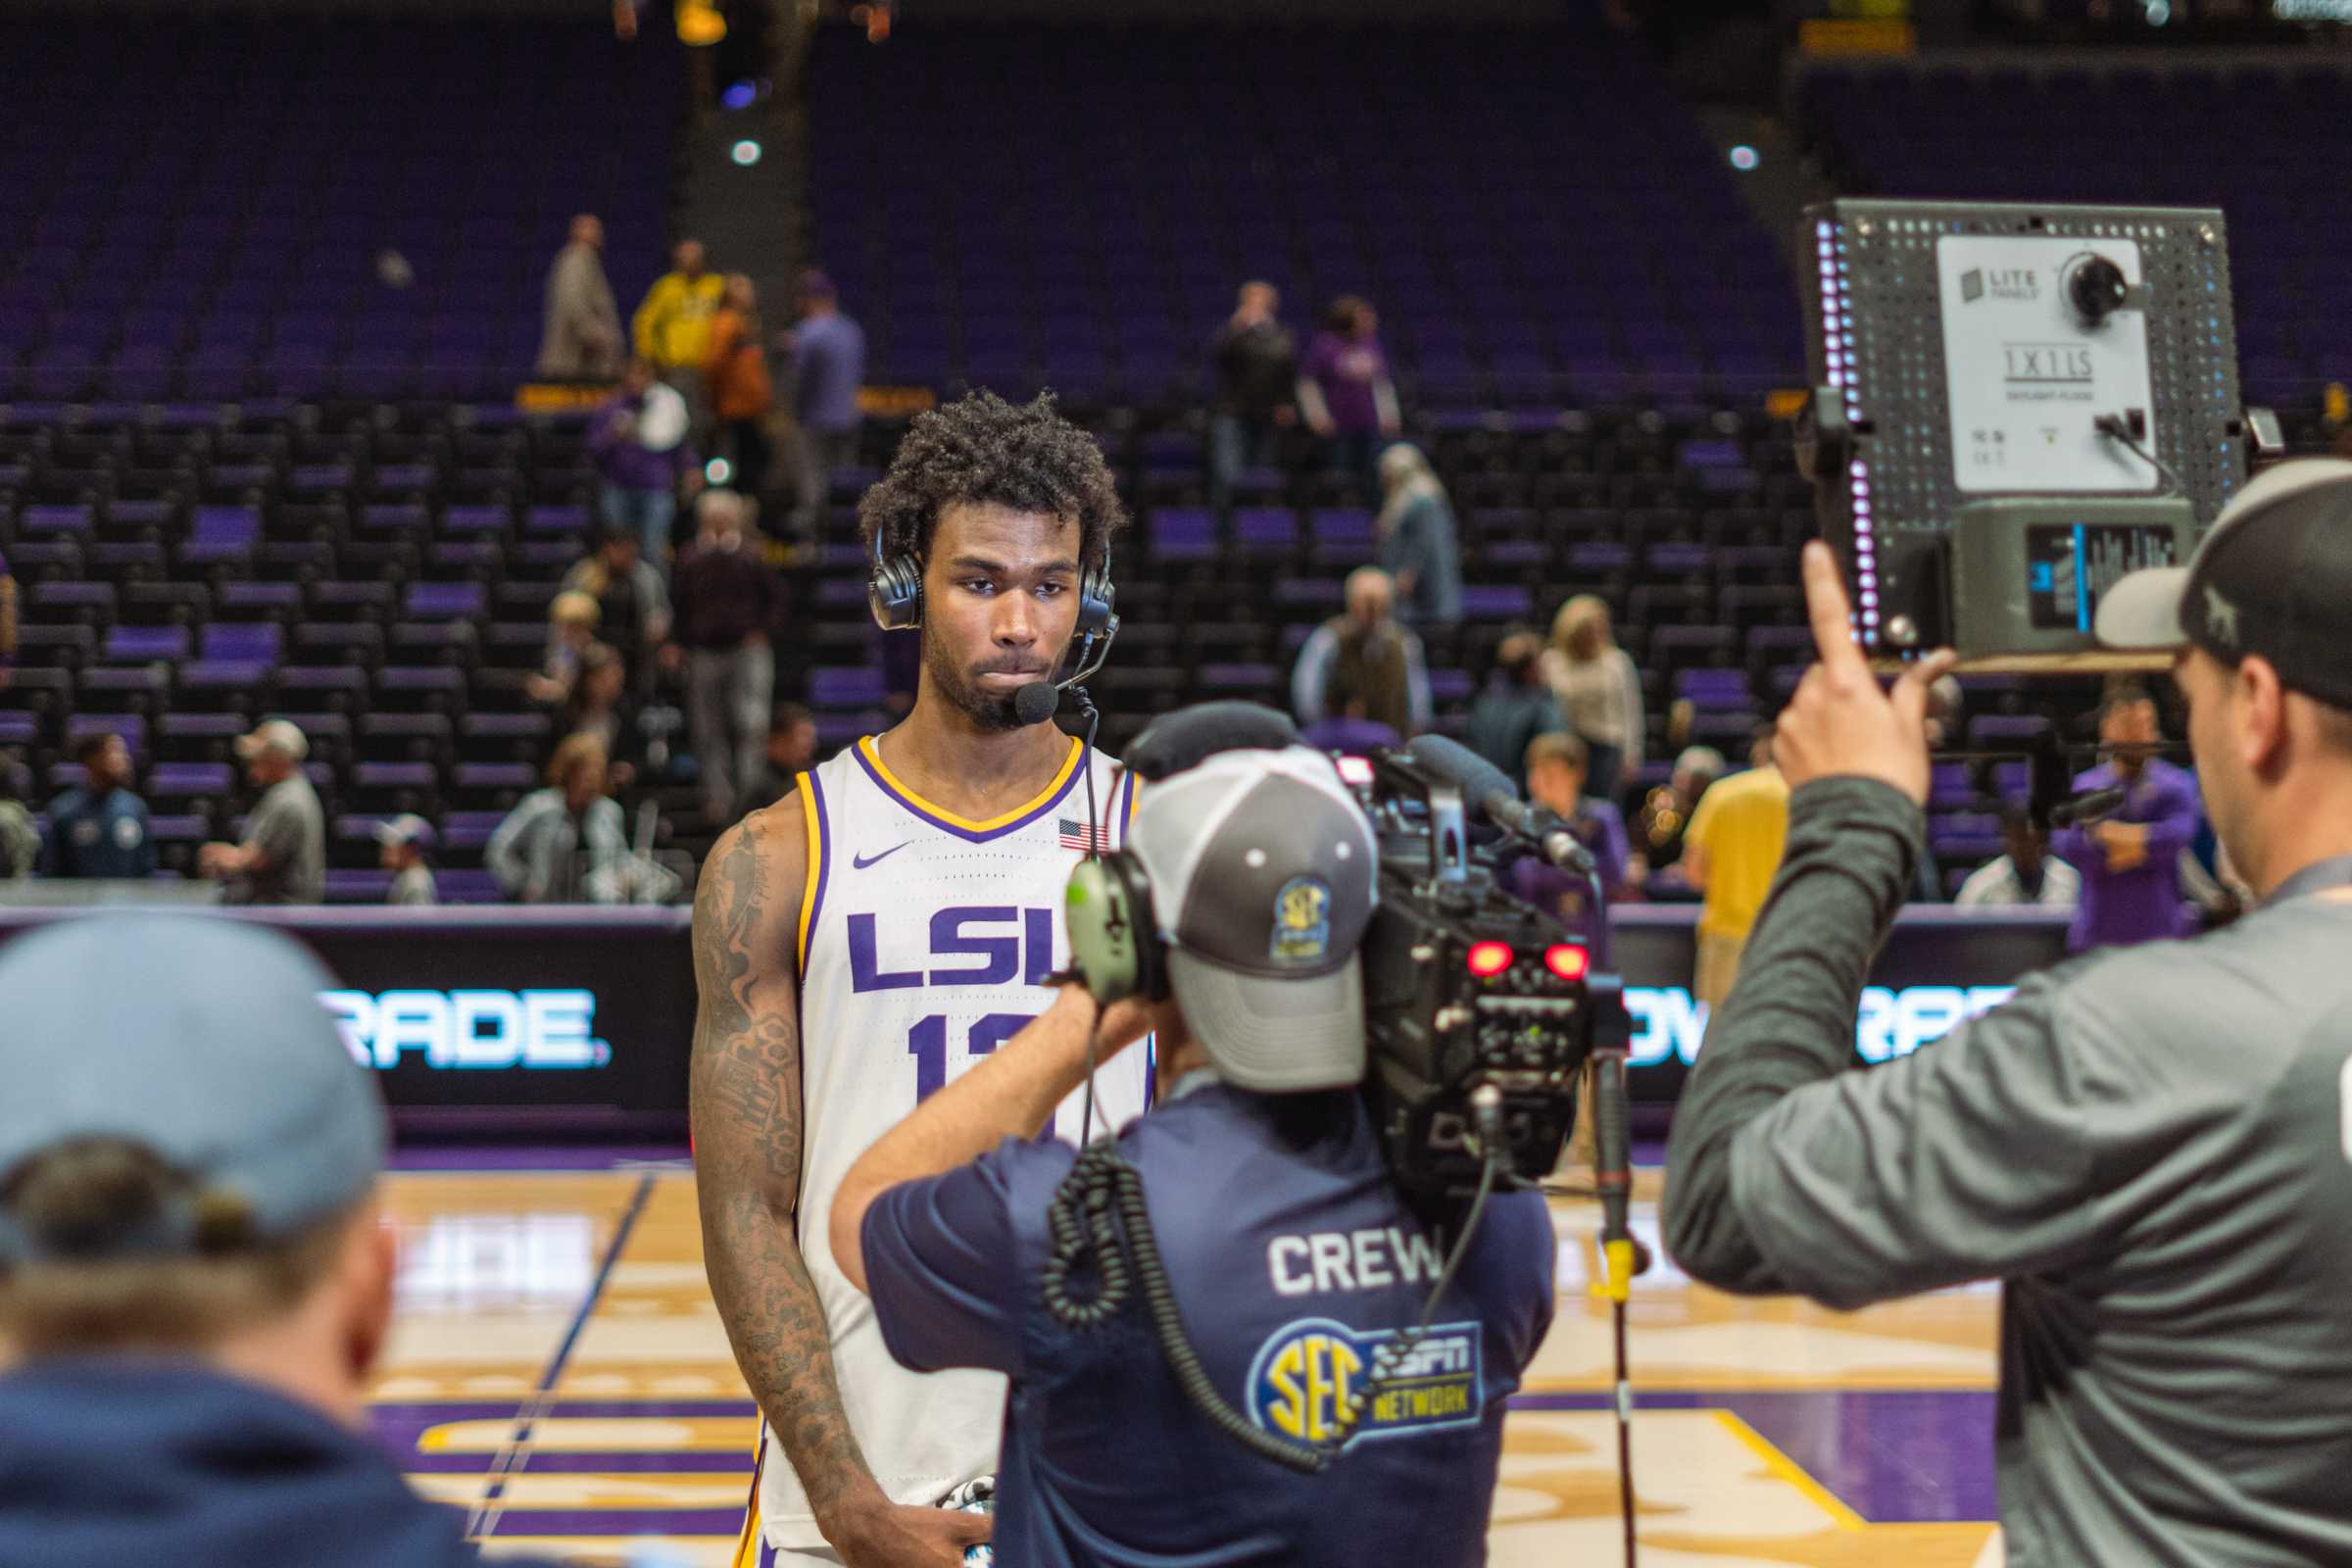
{"x": 559, "y": 1373}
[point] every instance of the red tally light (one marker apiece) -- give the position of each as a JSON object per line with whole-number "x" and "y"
{"x": 1566, "y": 961}
{"x": 1490, "y": 958}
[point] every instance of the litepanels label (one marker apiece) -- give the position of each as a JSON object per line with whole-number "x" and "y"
{"x": 2028, "y": 376}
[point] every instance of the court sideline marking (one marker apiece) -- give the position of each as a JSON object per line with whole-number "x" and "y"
{"x": 516, "y": 1454}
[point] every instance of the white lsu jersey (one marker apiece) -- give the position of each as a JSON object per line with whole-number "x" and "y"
{"x": 924, "y": 938}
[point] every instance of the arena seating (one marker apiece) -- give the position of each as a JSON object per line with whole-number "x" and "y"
{"x": 196, "y": 208}
{"x": 360, "y": 543}
{"x": 2231, "y": 137}
{"x": 1536, "y": 217}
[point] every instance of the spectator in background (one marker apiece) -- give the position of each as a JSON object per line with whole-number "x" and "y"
{"x": 20, "y": 837}
{"x": 741, "y": 393}
{"x": 196, "y": 1272}
{"x": 730, "y": 601}
{"x": 580, "y": 339}
{"x": 556, "y": 838}
{"x": 1556, "y": 771}
{"x": 1516, "y": 706}
{"x": 673, "y": 326}
{"x": 1258, "y": 386}
{"x": 2027, "y": 875}
{"x": 405, "y": 842}
{"x": 639, "y": 442}
{"x": 599, "y": 708}
{"x": 1598, "y": 689}
{"x": 1730, "y": 854}
{"x": 1418, "y": 546}
{"x": 633, "y": 604}
{"x": 283, "y": 858}
{"x": 8, "y": 624}
{"x": 1364, "y": 664}
{"x": 1346, "y": 392}
{"x": 828, "y": 367}
{"x": 572, "y": 617}
{"x": 98, "y": 829}
{"x": 1666, "y": 817}
{"x": 791, "y": 752}
{"x": 2129, "y": 860}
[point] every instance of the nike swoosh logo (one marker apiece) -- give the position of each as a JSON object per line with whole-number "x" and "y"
{"x": 858, "y": 863}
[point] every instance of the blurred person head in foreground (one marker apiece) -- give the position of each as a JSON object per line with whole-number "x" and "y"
{"x": 195, "y": 1279}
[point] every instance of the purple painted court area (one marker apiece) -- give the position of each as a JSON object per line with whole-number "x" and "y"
{"x": 1894, "y": 1457}
{"x": 533, "y": 1157}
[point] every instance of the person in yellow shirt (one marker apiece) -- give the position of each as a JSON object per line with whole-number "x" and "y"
{"x": 673, "y": 327}
{"x": 1730, "y": 854}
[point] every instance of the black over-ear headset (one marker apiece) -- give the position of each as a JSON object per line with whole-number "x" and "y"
{"x": 894, "y": 589}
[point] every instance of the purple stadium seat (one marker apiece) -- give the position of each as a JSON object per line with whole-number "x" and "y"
{"x": 219, "y": 535}
{"x": 475, "y": 520}
{"x": 130, "y": 726}
{"x": 169, "y": 828}
{"x": 96, "y": 597}
{"x": 142, "y": 644}
{"x": 55, "y": 519}
{"x": 1183, "y": 534}
{"x": 1491, "y": 601}
{"x": 835, "y": 689}
{"x": 442, "y": 601}
{"x": 180, "y": 780}
{"x": 565, "y": 521}
{"x": 1265, "y": 530}
{"x": 356, "y": 887}
{"x": 257, "y": 598}
{"x": 468, "y": 830}
{"x": 494, "y": 776}
{"x": 324, "y": 679}
{"x": 459, "y": 885}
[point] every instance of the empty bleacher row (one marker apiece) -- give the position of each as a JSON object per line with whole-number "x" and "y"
{"x": 1537, "y": 217}
{"x": 227, "y": 206}
{"x": 2075, "y": 128}
{"x": 183, "y": 573}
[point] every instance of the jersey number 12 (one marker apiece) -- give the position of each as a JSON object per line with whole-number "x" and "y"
{"x": 927, "y": 1043}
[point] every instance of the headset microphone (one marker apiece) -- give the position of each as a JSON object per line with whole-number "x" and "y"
{"x": 1035, "y": 703}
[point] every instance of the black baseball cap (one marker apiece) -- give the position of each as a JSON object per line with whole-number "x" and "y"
{"x": 1265, "y": 876}
{"x": 2273, "y": 577}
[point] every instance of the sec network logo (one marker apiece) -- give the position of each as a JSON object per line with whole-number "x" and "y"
{"x": 1305, "y": 1375}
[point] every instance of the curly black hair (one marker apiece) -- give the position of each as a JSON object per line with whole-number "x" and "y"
{"x": 983, "y": 450}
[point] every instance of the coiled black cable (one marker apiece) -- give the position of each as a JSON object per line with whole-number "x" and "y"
{"x": 1097, "y": 1220}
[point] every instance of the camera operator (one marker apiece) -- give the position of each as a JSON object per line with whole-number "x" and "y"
{"x": 2147, "y": 1145}
{"x": 1291, "y": 1256}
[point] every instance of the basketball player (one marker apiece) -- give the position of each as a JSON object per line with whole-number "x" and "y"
{"x": 871, "y": 935}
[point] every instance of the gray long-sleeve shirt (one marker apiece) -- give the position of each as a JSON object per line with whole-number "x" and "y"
{"x": 2151, "y": 1146}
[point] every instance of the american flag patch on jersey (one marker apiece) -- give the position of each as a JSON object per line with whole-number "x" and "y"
{"x": 1080, "y": 836}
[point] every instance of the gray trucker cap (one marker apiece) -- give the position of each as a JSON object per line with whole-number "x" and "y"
{"x": 2271, "y": 576}
{"x": 200, "y": 1038}
{"x": 1265, "y": 876}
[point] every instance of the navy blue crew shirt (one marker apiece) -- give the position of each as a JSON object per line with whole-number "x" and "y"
{"x": 97, "y": 836}
{"x": 1292, "y": 1258}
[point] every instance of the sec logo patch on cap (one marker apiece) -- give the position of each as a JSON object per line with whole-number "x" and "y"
{"x": 1302, "y": 921}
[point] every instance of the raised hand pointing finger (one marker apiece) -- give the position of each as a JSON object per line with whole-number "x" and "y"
{"x": 1840, "y": 724}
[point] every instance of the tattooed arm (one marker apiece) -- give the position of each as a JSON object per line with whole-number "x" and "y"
{"x": 747, "y": 1107}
